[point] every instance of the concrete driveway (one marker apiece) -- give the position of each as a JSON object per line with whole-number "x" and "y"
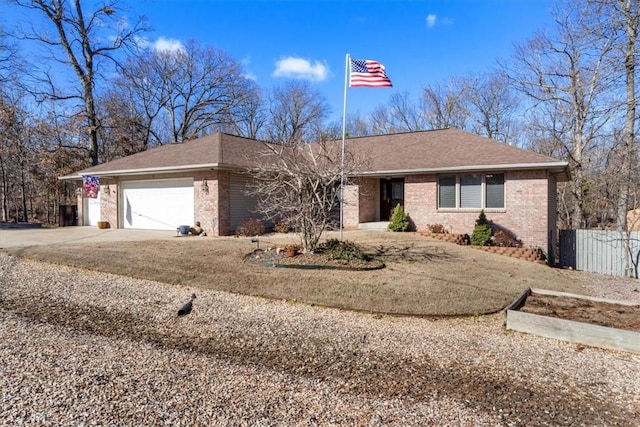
{"x": 16, "y": 237}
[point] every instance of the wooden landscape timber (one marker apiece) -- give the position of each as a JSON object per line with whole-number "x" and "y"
{"x": 570, "y": 330}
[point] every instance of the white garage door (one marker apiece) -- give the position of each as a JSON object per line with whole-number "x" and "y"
{"x": 158, "y": 204}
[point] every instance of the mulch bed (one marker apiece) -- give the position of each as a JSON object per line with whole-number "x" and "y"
{"x": 270, "y": 258}
{"x": 618, "y": 316}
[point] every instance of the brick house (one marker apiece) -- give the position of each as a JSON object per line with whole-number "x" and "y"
{"x": 440, "y": 177}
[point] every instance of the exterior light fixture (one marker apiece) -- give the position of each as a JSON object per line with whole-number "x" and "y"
{"x": 204, "y": 186}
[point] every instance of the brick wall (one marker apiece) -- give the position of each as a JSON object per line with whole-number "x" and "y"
{"x": 109, "y": 202}
{"x": 368, "y": 199}
{"x": 526, "y": 214}
{"x": 351, "y": 209}
{"x": 212, "y": 207}
{"x": 552, "y": 218}
{"x": 420, "y": 200}
{"x": 205, "y": 199}
{"x": 527, "y": 194}
{"x": 224, "y": 203}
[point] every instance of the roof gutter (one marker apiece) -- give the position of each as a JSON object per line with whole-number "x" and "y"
{"x": 472, "y": 168}
{"x": 144, "y": 171}
{"x": 558, "y": 166}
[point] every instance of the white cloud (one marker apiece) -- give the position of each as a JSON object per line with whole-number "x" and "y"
{"x": 300, "y": 68}
{"x": 248, "y": 74}
{"x": 251, "y": 76}
{"x": 167, "y": 45}
{"x": 431, "y": 20}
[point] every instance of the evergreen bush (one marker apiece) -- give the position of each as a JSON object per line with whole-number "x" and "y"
{"x": 399, "y": 219}
{"x": 482, "y": 231}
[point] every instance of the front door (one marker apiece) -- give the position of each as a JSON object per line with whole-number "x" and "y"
{"x": 391, "y": 195}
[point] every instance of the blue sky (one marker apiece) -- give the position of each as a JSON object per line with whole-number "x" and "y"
{"x": 419, "y": 42}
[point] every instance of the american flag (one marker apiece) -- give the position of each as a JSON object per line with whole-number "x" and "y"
{"x": 367, "y": 73}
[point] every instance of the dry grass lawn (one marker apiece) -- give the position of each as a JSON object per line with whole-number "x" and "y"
{"x": 422, "y": 277}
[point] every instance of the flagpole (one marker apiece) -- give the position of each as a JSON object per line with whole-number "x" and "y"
{"x": 344, "y": 127}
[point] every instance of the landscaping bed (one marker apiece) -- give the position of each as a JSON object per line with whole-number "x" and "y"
{"x": 273, "y": 258}
{"x": 575, "y": 318}
{"x": 596, "y": 312}
{"x": 526, "y": 254}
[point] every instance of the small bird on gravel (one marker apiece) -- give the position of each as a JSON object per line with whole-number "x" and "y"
{"x": 186, "y": 309}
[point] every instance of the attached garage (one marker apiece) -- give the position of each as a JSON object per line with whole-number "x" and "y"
{"x": 157, "y": 205}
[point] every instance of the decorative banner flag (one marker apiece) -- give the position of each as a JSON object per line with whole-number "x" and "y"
{"x": 367, "y": 73}
{"x": 90, "y": 185}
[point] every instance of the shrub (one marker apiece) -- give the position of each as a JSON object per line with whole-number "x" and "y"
{"x": 482, "y": 231}
{"x": 282, "y": 226}
{"x": 339, "y": 250}
{"x": 505, "y": 238}
{"x": 250, "y": 227}
{"x": 482, "y": 219}
{"x": 436, "y": 228}
{"x": 399, "y": 219}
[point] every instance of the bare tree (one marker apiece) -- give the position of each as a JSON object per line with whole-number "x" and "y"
{"x": 298, "y": 177}
{"x": 144, "y": 83}
{"x": 84, "y": 38}
{"x": 357, "y": 126}
{"x": 187, "y": 92}
{"x": 380, "y": 120}
{"x": 8, "y": 57}
{"x": 296, "y": 114}
{"x": 16, "y": 155}
{"x": 562, "y": 75}
{"x": 8, "y": 143}
{"x": 443, "y": 105}
{"x": 619, "y": 21}
{"x": 122, "y": 131}
{"x": 54, "y": 155}
{"x": 300, "y": 183}
{"x": 399, "y": 114}
{"x": 626, "y": 13}
{"x": 404, "y": 114}
{"x": 250, "y": 117}
{"x": 492, "y": 105}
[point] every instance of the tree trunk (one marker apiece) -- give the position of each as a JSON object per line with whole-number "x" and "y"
{"x": 5, "y": 192}
{"x": 628, "y": 134}
{"x": 23, "y": 194}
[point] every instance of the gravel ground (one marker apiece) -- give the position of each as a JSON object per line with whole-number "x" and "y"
{"x": 85, "y": 348}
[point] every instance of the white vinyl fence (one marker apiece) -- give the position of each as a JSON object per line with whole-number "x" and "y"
{"x": 599, "y": 251}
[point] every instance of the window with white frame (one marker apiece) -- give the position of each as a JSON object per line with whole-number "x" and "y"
{"x": 471, "y": 191}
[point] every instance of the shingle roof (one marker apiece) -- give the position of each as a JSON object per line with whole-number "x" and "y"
{"x": 442, "y": 150}
{"x": 412, "y": 152}
{"x": 214, "y": 151}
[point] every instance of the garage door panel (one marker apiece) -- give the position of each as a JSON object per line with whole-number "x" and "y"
{"x": 158, "y": 205}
